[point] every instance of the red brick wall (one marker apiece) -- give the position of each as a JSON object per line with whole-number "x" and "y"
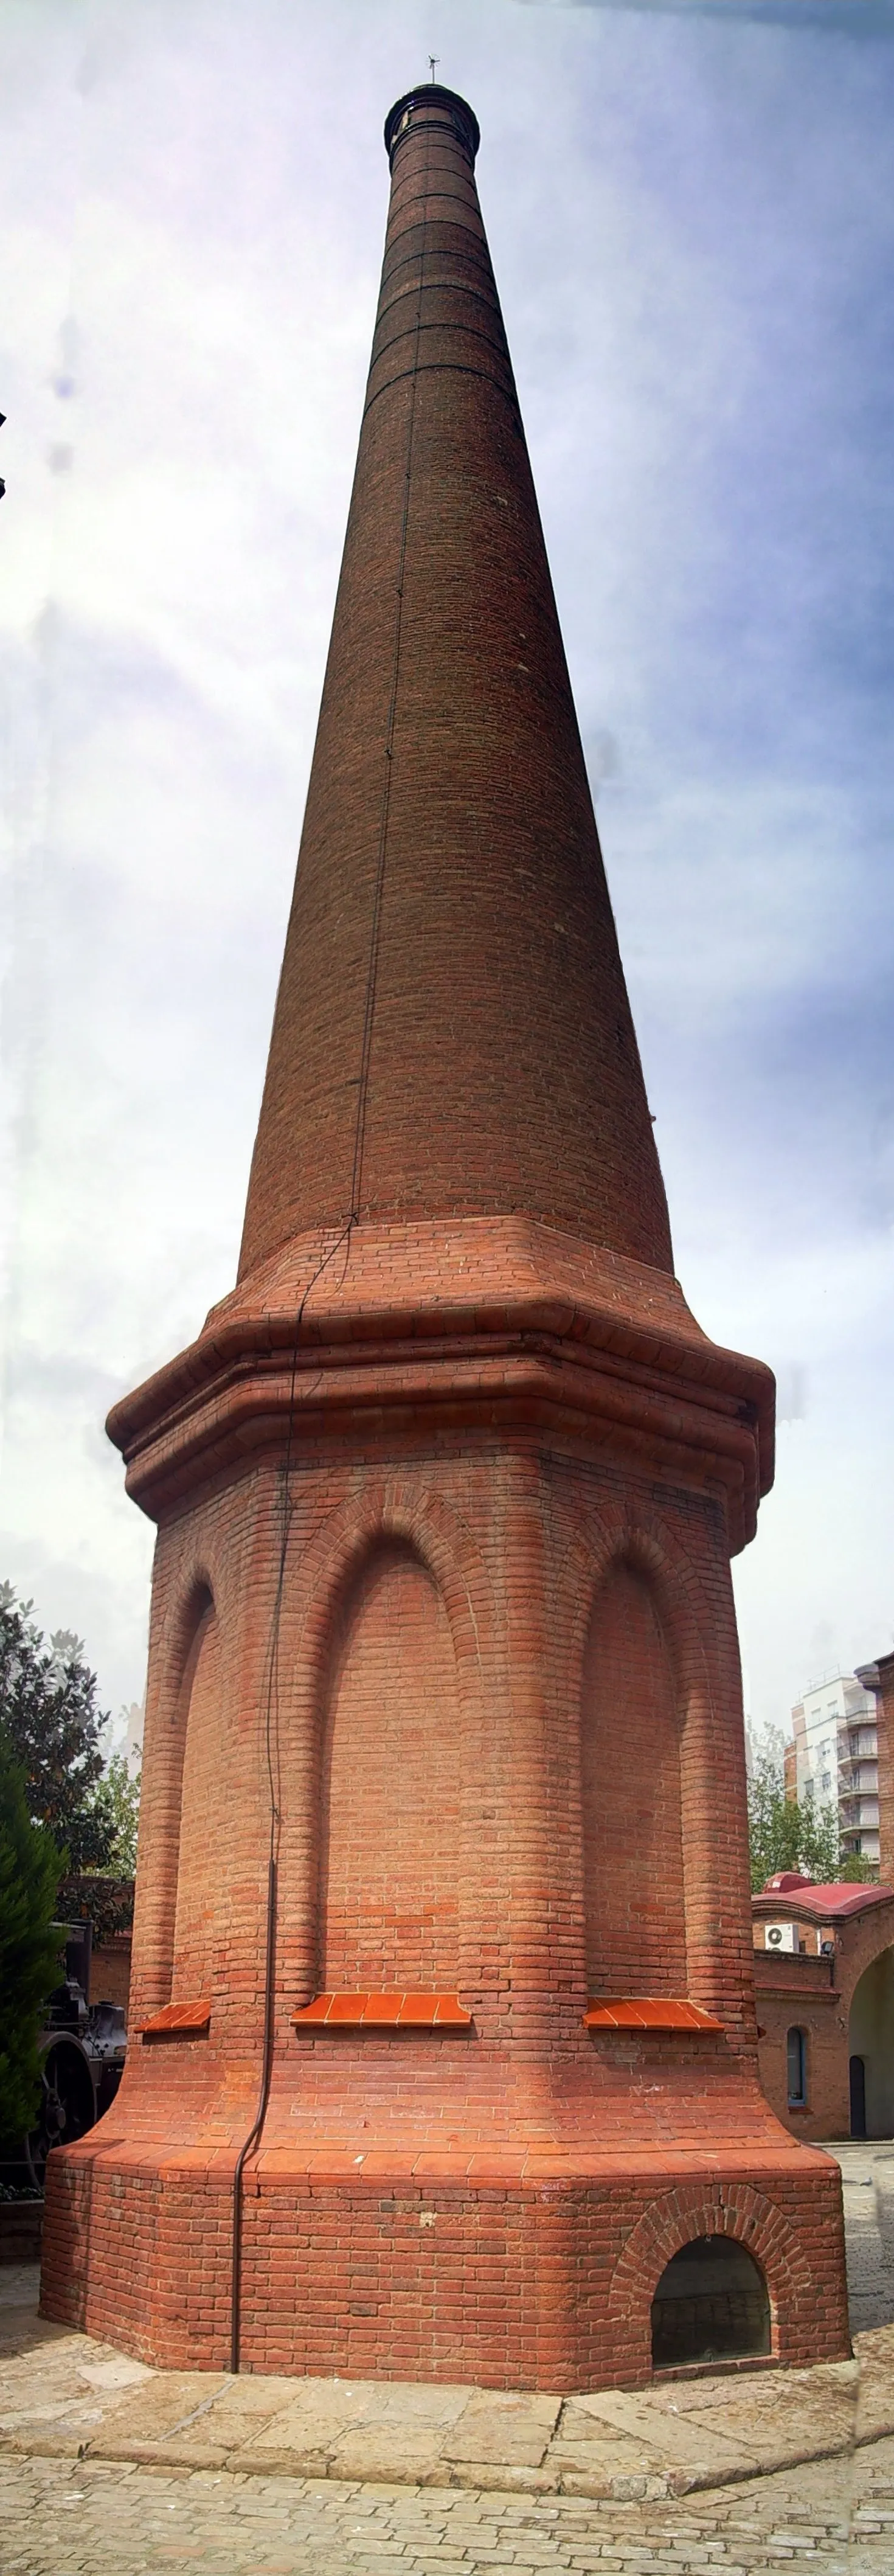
{"x": 511, "y": 2282}
{"x": 391, "y": 1807}
{"x": 486, "y": 1652}
{"x": 824, "y": 2021}
{"x": 538, "y": 2147}
{"x": 636, "y": 1924}
{"x": 110, "y": 1971}
{"x": 518, "y": 1542}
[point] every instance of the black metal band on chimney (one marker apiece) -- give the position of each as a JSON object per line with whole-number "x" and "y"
{"x": 415, "y": 110}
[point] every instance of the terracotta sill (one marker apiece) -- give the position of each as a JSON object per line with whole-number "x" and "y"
{"x": 383, "y": 2012}
{"x": 178, "y": 2021}
{"x": 648, "y": 2012}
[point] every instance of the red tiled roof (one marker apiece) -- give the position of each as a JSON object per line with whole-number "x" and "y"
{"x": 790, "y": 1894}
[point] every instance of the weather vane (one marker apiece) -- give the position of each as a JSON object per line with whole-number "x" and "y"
{"x": 432, "y": 60}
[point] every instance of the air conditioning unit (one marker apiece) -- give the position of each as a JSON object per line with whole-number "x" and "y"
{"x": 782, "y": 1936}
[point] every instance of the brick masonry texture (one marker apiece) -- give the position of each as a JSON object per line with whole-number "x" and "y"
{"x": 446, "y": 1493}
{"x": 448, "y": 757}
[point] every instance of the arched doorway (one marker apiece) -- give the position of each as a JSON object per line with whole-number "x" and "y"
{"x": 711, "y": 2304}
{"x": 871, "y": 2046}
{"x": 857, "y": 2087}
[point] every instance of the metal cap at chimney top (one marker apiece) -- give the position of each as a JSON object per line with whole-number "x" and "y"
{"x": 430, "y": 105}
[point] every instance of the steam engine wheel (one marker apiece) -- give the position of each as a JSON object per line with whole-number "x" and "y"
{"x": 67, "y": 2104}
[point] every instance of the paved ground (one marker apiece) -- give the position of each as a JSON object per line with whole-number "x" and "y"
{"x": 66, "y": 2519}
{"x": 867, "y": 2171}
{"x": 108, "y": 2469}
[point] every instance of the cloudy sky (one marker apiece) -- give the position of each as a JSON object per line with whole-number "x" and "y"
{"x": 691, "y": 218}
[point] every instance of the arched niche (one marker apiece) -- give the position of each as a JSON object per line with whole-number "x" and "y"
{"x": 634, "y": 1894}
{"x": 391, "y": 1786}
{"x": 710, "y": 2305}
{"x": 199, "y": 1851}
{"x": 871, "y": 2047}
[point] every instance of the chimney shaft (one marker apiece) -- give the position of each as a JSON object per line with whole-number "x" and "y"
{"x": 452, "y": 1033}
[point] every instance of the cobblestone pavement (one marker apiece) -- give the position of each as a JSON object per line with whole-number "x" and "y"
{"x": 66, "y": 2518}
{"x": 867, "y": 2173}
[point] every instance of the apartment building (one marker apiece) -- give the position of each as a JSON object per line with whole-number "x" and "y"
{"x": 836, "y": 1757}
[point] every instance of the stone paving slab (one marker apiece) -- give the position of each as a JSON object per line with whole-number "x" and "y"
{"x": 70, "y": 2398}
{"x": 68, "y": 2395}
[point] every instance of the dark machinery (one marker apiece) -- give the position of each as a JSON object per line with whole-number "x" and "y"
{"x": 82, "y": 2055}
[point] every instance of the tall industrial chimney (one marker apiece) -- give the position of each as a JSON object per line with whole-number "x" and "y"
{"x": 442, "y": 2043}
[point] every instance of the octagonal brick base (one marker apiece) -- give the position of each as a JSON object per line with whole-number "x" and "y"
{"x": 535, "y": 2275}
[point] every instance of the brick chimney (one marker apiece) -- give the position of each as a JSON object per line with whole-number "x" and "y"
{"x": 452, "y": 1035}
{"x": 442, "y": 2021}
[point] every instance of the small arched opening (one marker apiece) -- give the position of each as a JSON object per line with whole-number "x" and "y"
{"x": 871, "y": 2050}
{"x": 710, "y": 2305}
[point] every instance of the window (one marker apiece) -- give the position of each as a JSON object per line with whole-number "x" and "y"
{"x": 796, "y": 2054}
{"x": 809, "y": 1787}
{"x": 827, "y": 1779}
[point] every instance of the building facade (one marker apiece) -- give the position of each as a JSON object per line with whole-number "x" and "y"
{"x": 824, "y": 1973}
{"x": 445, "y": 2051}
{"x": 835, "y": 1737}
{"x": 878, "y": 1681}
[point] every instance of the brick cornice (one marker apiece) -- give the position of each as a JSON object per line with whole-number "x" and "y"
{"x": 499, "y": 1323}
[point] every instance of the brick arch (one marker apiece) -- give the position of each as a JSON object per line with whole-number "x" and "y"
{"x": 737, "y": 2210}
{"x": 871, "y": 1946}
{"x": 868, "y": 2033}
{"x": 387, "y": 1513}
{"x": 168, "y": 1689}
{"x": 198, "y": 1588}
{"x": 622, "y": 1534}
{"x": 703, "y": 1650}
{"x": 443, "y": 1541}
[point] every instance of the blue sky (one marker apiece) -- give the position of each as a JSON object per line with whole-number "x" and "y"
{"x": 692, "y": 225}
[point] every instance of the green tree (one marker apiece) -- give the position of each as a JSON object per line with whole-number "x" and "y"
{"x": 782, "y": 1833}
{"x": 118, "y": 1797}
{"x": 30, "y": 1868}
{"x": 48, "y": 1706}
{"x": 855, "y": 1866}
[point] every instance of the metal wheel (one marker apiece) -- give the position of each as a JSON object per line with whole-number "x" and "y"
{"x": 67, "y": 2105}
